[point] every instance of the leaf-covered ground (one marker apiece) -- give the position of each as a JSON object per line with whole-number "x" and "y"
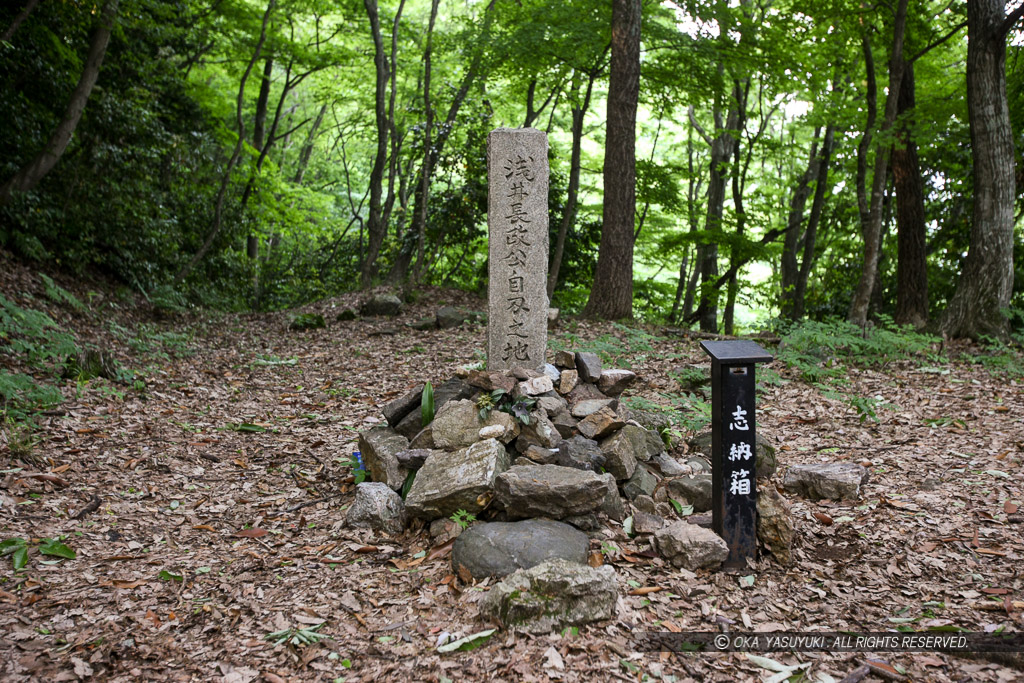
{"x": 221, "y": 489}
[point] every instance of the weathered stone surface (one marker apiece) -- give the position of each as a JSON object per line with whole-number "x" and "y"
{"x": 552, "y": 317}
{"x": 583, "y": 391}
{"x": 580, "y": 453}
{"x": 377, "y": 507}
{"x": 622, "y": 451}
{"x": 690, "y": 547}
{"x": 462, "y": 480}
{"x": 517, "y": 217}
{"x": 642, "y": 483}
{"x": 695, "y": 490}
{"x": 552, "y": 596}
{"x": 541, "y": 456}
{"x": 400, "y": 407}
{"x": 669, "y": 466}
{"x": 613, "y": 505}
{"x": 656, "y": 422}
{"x": 458, "y": 425}
{"x": 414, "y": 458}
{"x": 448, "y": 317}
{"x": 600, "y": 424}
{"x": 644, "y": 523}
{"x": 565, "y": 423}
{"x": 553, "y": 373}
{"x": 568, "y": 381}
{"x": 495, "y": 431}
{"x": 536, "y": 386}
{"x": 549, "y": 491}
{"x": 540, "y": 432}
{"x": 552, "y": 405}
{"x": 523, "y": 374}
{"x": 836, "y": 481}
{"x": 699, "y": 465}
{"x": 380, "y": 447}
{"x": 424, "y": 439}
{"x": 589, "y": 407}
{"x": 381, "y": 304}
{"x": 489, "y": 381}
{"x": 764, "y": 453}
{"x": 775, "y": 524}
{"x": 500, "y": 548}
{"x": 614, "y": 382}
{"x": 588, "y": 365}
{"x": 444, "y": 530}
{"x": 454, "y": 389}
{"x": 655, "y": 446}
{"x": 565, "y": 359}
{"x": 423, "y": 324}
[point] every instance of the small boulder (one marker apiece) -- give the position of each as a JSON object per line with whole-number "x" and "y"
{"x": 553, "y": 373}
{"x": 552, "y": 404}
{"x": 695, "y": 490}
{"x": 612, "y": 504}
{"x": 454, "y": 389}
{"x": 580, "y": 453}
{"x": 462, "y": 480}
{"x": 491, "y": 380}
{"x": 395, "y": 411}
{"x": 835, "y": 481}
{"x": 448, "y": 317}
{"x": 565, "y": 424}
{"x": 642, "y": 483}
{"x": 622, "y": 451}
{"x": 689, "y": 546}
{"x": 549, "y": 491}
{"x": 380, "y": 447}
{"x": 539, "y": 432}
{"x": 567, "y": 381}
{"x": 552, "y": 596}
{"x": 377, "y": 507}
{"x": 536, "y": 386}
{"x": 497, "y": 549}
{"x": 775, "y": 524}
{"x": 669, "y": 466}
{"x": 541, "y": 456}
{"x": 583, "y": 391}
{"x": 458, "y": 424}
{"x": 414, "y": 458}
{"x": 646, "y": 523}
{"x": 565, "y": 359}
{"x": 381, "y": 304}
{"x": 614, "y": 382}
{"x": 589, "y": 366}
{"x": 600, "y": 424}
{"x": 591, "y": 406}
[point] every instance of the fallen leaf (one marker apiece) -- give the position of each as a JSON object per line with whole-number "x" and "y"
{"x": 1010, "y": 508}
{"x": 251, "y": 533}
{"x": 204, "y": 527}
{"x": 644, "y": 590}
{"x": 596, "y": 559}
{"x": 823, "y": 518}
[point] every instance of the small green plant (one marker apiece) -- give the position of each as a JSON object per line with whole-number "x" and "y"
{"x": 59, "y": 295}
{"x": 463, "y": 518}
{"x": 307, "y": 321}
{"x": 298, "y": 636}
{"x": 17, "y": 548}
{"x": 486, "y": 403}
{"x": 358, "y": 468}
{"x": 19, "y": 437}
{"x": 427, "y": 404}
{"x": 520, "y": 409}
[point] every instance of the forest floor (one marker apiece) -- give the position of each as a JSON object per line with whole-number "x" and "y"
{"x": 222, "y": 483}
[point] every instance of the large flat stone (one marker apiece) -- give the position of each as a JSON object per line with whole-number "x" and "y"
{"x": 500, "y": 548}
{"x": 458, "y": 425}
{"x": 832, "y": 480}
{"x": 552, "y": 596}
{"x": 462, "y": 480}
{"x": 380, "y": 447}
{"x": 549, "y": 491}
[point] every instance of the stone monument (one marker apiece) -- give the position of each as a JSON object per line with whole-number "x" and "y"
{"x": 517, "y": 219}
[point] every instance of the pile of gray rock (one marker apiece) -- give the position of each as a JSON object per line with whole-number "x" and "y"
{"x": 562, "y": 458}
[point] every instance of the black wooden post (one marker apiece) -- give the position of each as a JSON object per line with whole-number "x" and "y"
{"x": 734, "y": 446}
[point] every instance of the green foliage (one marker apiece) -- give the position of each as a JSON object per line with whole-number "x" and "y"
{"x": 17, "y": 548}
{"x": 485, "y": 403}
{"x": 307, "y": 321}
{"x": 427, "y": 404}
{"x": 463, "y": 518}
{"x": 59, "y": 295}
{"x": 33, "y": 333}
{"x": 615, "y": 349}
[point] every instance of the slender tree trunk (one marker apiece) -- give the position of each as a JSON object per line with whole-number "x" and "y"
{"x": 579, "y": 113}
{"x": 611, "y": 296}
{"x": 259, "y": 123}
{"x": 18, "y": 21}
{"x": 30, "y": 174}
{"x": 871, "y": 221}
{"x": 986, "y": 282}
{"x": 789, "y": 266}
{"x": 375, "y": 224}
{"x": 396, "y": 141}
{"x": 810, "y": 235}
{"x": 218, "y": 208}
{"x": 307, "y": 149}
{"x": 428, "y": 125}
{"x": 911, "y": 264}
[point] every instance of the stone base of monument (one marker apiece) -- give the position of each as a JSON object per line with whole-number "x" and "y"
{"x": 513, "y": 447}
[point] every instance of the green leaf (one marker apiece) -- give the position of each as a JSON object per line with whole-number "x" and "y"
{"x": 427, "y": 405}
{"x": 11, "y": 545}
{"x": 20, "y": 558}
{"x": 51, "y": 546}
{"x": 470, "y": 642}
{"x": 167, "y": 576}
{"x": 248, "y": 427}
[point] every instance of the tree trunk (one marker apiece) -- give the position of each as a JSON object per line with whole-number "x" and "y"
{"x": 871, "y": 219}
{"x": 611, "y": 296}
{"x": 375, "y": 224}
{"x": 810, "y": 235}
{"x": 218, "y": 208}
{"x": 428, "y": 167}
{"x": 986, "y": 282}
{"x": 789, "y": 266}
{"x": 18, "y": 21}
{"x": 911, "y": 265}
{"x": 259, "y": 123}
{"x": 394, "y": 166}
{"x": 29, "y": 175}
{"x": 579, "y": 113}
{"x": 307, "y": 149}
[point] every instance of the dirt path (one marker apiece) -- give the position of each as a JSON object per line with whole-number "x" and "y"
{"x": 222, "y": 486}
